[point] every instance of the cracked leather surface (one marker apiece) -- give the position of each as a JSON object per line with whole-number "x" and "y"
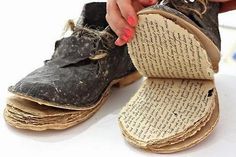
{"x": 72, "y": 76}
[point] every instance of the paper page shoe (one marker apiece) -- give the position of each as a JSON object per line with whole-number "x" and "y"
{"x": 177, "y": 47}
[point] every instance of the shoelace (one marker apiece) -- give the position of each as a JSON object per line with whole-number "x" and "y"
{"x": 197, "y": 6}
{"x": 108, "y": 38}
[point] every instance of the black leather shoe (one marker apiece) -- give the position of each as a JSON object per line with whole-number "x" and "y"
{"x": 81, "y": 71}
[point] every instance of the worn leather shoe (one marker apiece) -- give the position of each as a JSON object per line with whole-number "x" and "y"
{"x": 76, "y": 81}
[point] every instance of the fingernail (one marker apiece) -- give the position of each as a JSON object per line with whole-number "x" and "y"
{"x": 128, "y": 32}
{"x": 118, "y": 42}
{"x": 125, "y": 38}
{"x": 131, "y": 21}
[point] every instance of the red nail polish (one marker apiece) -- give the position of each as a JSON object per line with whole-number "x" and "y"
{"x": 128, "y": 32}
{"x": 125, "y": 38}
{"x": 131, "y": 21}
{"x": 119, "y": 42}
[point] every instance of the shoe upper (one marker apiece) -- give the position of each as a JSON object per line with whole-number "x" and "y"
{"x": 82, "y": 66}
{"x": 201, "y": 13}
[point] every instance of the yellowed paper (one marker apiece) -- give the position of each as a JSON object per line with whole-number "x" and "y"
{"x": 163, "y": 108}
{"x": 165, "y": 50}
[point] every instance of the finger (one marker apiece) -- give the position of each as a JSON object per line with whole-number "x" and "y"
{"x": 117, "y": 23}
{"x": 120, "y": 42}
{"x": 128, "y": 12}
{"x": 125, "y": 39}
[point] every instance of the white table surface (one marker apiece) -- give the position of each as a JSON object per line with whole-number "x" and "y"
{"x": 28, "y": 30}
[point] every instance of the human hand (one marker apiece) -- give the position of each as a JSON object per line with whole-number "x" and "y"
{"x": 227, "y": 5}
{"x": 122, "y": 18}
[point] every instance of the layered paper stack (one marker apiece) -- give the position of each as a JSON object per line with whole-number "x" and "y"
{"x": 177, "y": 106}
{"x": 24, "y": 113}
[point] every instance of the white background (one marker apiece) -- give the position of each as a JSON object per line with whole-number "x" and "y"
{"x": 28, "y": 30}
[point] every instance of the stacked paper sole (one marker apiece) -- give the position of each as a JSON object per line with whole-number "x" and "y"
{"x": 177, "y": 105}
{"x": 163, "y": 121}
{"x": 26, "y": 112}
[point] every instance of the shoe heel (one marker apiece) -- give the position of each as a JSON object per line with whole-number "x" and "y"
{"x": 127, "y": 80}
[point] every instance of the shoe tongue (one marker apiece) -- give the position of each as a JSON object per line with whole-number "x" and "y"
{"x": 198, "y": 7}
{"x": 93, "y": 16}
{"x": 84, "y": 43}
{"x": 80, "y": 45}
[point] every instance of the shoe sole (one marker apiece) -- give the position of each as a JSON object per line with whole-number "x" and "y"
{"x": 25, "y": 113}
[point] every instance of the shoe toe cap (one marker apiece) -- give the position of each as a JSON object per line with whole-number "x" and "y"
{"x": 60, "y": 86}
